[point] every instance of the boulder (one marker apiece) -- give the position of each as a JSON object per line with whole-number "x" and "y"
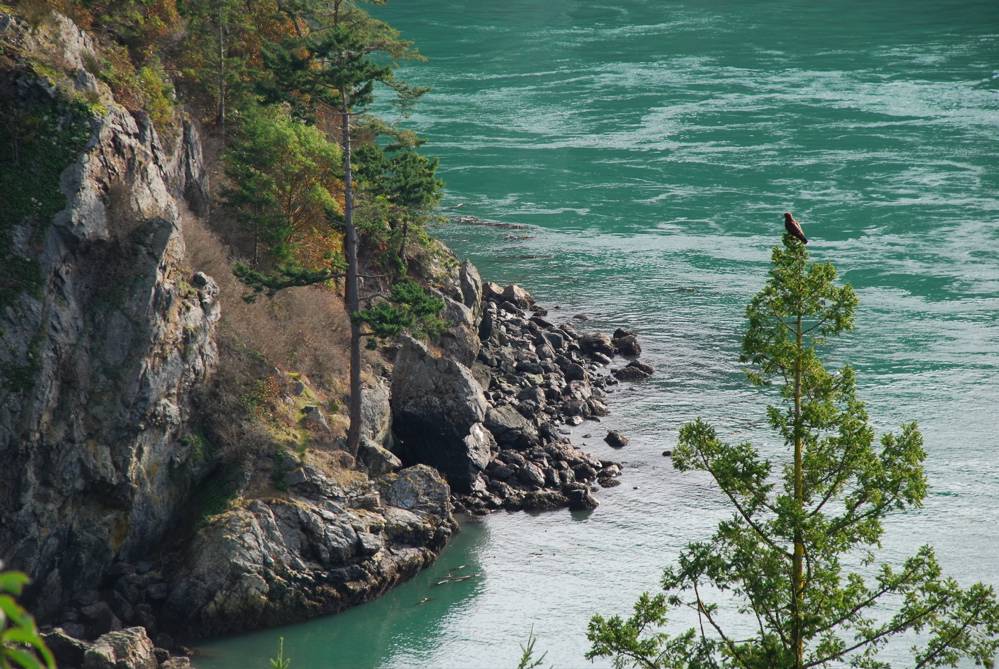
{"x": 435, "y": 404}
{"x": 376, "y": 412}
{"x": 471, "y": 286}
{"x": 518, "y": 296}
{"x": 580, "y": 499}
{"x": 532, "y": 475}
{"x": 124, "y": 649}
{"x": 615, "y": 439}
{"x": 628, "y": 345}
{"x": 419, "y": 489}
{"x": 633, "y": 371}
{"x": 596, "y": 342}
{"x": 648, "y": 369}
{"x": 378, "y": 460}
{"x": 511, "y": 429}
{"x": 461, "y": 338}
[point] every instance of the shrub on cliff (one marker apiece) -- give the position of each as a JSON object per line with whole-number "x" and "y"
{"x": 782, "y": 560}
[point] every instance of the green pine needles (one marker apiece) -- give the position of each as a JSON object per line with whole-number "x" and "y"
{"x": 781, "y": 564}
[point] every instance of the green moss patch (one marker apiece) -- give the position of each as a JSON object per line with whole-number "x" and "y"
{"x": 40, "y": 137}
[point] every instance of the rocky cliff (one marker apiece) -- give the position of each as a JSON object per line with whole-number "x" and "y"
{"x": 101, "y": 351}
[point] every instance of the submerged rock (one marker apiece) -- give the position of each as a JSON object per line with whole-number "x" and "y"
{"x": 615, "y": 439}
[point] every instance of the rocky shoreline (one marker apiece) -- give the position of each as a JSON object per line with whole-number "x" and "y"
{"x": 108, "y": 515}
{"x": 541, "y": 378}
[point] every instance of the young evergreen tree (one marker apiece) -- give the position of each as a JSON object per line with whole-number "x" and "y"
{"x": 781, "y": 561}
{"x": 284, "y": 176}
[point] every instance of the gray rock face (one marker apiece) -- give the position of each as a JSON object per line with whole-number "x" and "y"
{"x": 461, "y": 340}
{"x": 435, "y": 404}
{"x": 279, "y": 560}
{"x": 376, "y": 412}
{"x": 378, "y": 460}
{"x": 510, "y": 428}
{"x": 471, "y": 286}
{"x": 517, "y": 296}
{"x": 118, "y": 336}
{"x": 127, "y": 649}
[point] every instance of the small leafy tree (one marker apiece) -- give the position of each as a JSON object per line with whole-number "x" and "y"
{"x": 781, "y": 560}
{"x": 20, "y": 644}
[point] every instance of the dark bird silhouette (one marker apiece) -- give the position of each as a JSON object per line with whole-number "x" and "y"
{"x": 794, "y": 228}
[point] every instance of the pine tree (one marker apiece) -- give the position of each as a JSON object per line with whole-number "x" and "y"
{"x": 781, "y": 560}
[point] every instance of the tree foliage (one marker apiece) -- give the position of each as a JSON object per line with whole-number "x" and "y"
{"x": 285, "y": 176}
{"x": 20, "y": 644}
{"x": 409, "y": 308}
{"x": 797, "y": 558}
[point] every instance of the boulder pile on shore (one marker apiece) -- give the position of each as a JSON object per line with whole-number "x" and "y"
{"x": 498, "y": 427}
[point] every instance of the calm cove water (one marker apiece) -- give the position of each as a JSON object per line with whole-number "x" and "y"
{"x": 651, "y": 146}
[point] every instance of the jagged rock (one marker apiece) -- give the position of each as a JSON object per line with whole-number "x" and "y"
{"x": 492, "y": 292}
{"x": 125, "y": 649}
{"x": 314, "y": 419}
{"x": 628, "y": 345}
{"x": 615, "y": 439}
{"x": 488, "y": 321}
{"x": 435, "y": 404}
{"x": 461, "y": 339}
{"x": 67, "y": 650}
{"x": 119, "y": 334}
{"x": 471, "y": 286}
{"x": 580, "y": 499}
{"x": 177, "y": 663}
{"x": 596, "y": 342}
{"x": 279, "y": 560}
{"x": 376, "y": 411}
{"x": 378, "y": 460}
{"x": 518, "y": 296}
{"x": 510, "y": 428}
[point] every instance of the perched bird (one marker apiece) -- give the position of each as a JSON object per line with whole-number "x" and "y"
{"x": 794, "y": 228}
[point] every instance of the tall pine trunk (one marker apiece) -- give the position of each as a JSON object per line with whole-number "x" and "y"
{"x": 797, "y": 575}
{"x": 220, "y": 110}
{"x": 353, "y": 300}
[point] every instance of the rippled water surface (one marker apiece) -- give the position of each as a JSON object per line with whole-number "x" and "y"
{"x": 651, "y": 147}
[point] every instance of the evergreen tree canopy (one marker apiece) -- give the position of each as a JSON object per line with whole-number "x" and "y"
{"x": 284, "y": 176}
{"x": 797, "y": 557}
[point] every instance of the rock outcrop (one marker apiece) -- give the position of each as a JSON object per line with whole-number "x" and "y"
{"x": 318, "y": 550}
{"x": 99, "y": 358}
{"x": 437, "y": 411}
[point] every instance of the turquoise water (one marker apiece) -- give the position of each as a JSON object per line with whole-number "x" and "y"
{"x": 652, "y": 147}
